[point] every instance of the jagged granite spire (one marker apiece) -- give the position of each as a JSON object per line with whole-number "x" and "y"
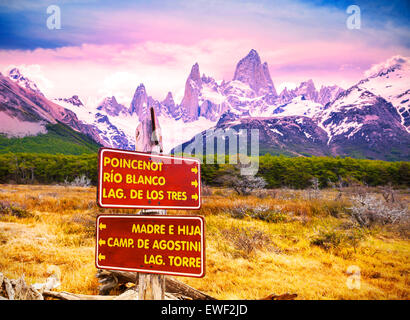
{"x": 139, "y": 103}
{"x": 251, "y": 71}
{"x": 190, "y": 102}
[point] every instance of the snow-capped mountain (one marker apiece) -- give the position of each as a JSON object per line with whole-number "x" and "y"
{"x": 24, "y": 111}
{"x": 390, "y": 80}
{"x": 251, "y": 92}
{"x": 252, "y": 72}
{"x": 112, "y": 107}
{"x": 15, "y": 75}
{"x": 105, "y": 119}
{"x": 116, "y": 124}
{"x": 361, "y": 122}
{"x": 74, "y": 100}
{"x": 308, "y": 90}
{"x": 298, "y": 106}
{"x": 370, "y": 119}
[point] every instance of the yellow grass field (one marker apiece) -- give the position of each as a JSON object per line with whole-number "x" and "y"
{"x": 307, "y": 246}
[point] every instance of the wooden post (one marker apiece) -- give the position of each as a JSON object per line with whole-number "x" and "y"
{"x": 149, "y": 139}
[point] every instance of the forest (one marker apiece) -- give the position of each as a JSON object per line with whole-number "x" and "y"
{"x": 277, "y": 171}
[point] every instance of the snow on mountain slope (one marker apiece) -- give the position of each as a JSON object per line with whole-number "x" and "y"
{"x": 391, "y": 80}
{"x": 103, "y": 117}
{"x": 335, "y": 120}
{"x": 298, "y": 106}
{"x": 116, "y": 125}
{"x": 85, "y": 114}
{"x": 20, "y": 105}
{"x": 23, "y": 81}
{"x": 364, "y": 124}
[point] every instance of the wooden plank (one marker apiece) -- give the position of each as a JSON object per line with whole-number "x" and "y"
{"x": 149, "y": 139}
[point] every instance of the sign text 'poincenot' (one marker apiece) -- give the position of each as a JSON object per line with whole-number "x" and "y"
{"x": 129, "y": 179}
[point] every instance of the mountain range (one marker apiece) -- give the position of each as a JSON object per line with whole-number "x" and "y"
{"x": 371, "y": 119}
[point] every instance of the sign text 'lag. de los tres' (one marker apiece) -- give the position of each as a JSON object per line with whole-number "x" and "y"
{"x": 130, "y": 179}
{"x": 160, "y": 244}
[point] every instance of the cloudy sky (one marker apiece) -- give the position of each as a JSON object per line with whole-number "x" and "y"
{"x": 109, "y": 47}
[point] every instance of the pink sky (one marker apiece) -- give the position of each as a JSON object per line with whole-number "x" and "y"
{"x": 133, "y": 47}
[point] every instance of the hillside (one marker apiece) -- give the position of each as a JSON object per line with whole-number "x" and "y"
{"x": 59, "y": 138}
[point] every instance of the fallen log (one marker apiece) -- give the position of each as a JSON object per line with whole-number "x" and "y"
{"x": 111, "y": 279}
{"x": 177, "y": 287}
{"x": 285, "y": 296}
{"x": 130, "y": 294}
{"x": 62, "y": 295}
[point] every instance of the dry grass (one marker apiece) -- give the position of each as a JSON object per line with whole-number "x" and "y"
{"x": 292, "y": 243}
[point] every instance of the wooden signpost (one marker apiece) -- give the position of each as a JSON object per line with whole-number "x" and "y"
{"x": 151, "y": 243}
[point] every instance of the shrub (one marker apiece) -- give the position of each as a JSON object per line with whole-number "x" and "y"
{"x": 367, "y": 210}
{"x": 242, "y": 184}
{"x": 327, "y": 239}
{"x": 260, "y": 212}
{"x": 13, "y": 209}
{"x": 335, "y": 207}
{"x": 247, "y": 240}
{"x": 79, "y": 181}
{"x": 331, "y": 238}
{"x": 264, "y": 213}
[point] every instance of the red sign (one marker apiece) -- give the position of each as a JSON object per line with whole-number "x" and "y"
{"x": 129, "y": 179}
{"x": 173, "y": 245}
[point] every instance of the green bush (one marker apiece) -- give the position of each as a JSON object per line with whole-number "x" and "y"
{"x": 261, "y": 212}
{"x": 331, "y": 238}
{"x": 12, "y": 209}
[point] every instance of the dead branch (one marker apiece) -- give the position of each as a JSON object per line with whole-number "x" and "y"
{"x": 285, "y": 296}
{"x": 17, "y": 289}
{"x": 111, "y": 279}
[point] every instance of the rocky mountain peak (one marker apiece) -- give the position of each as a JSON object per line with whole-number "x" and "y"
{"x": 111, "y": 106}
{"x": 328, "y": 94}
{"x": 390, "y": 65}
{"x": 139, "y": 103}
{"x": 253, "y": 54}
{"x": 169, "y": 100}
{"x": 306, "y": 89}
{"x": 74, "y": 100}
{"x": 195, "y": 75}
{"x": 15, "y": 75}
{"x": 251, "y": 71}
{"x": 190, "y": 101}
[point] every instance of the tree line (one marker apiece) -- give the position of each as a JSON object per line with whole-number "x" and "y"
{"x": 299, "y": 172}
{"x": 277, "y": 171}
{"x": 40, "y": 168}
